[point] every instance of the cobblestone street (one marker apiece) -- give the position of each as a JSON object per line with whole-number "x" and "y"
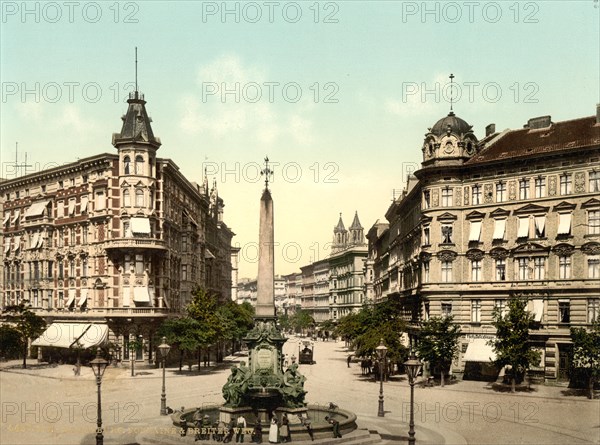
{"x": 49, "y": 405}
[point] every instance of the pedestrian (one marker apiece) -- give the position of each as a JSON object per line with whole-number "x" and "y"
{"x": 257, "y": 433}
{"x": 336, "y": 426}
{"x": 305, "y": 422}
{"x": 284, "y": 432}
{"x": 273, "y": 430}
{"x": 241, "y": 426}
{"x": 349, "y": 359}
{"x": 229, "y": 433}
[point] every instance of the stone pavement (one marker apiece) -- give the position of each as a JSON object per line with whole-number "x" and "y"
{"x": 49, "y": 405}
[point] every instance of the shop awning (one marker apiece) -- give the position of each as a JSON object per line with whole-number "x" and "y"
{"x": 17, "y": 243}
{"x": 475, "y": 232}
{"x": 564, "y": 223}
{"x": 71, "y": 299}
{"x": 36, "y": 209}
{"x": 68, "y": 335}
{"x": 6, "y": 245}
{"x": 71, "y": 207}
{"x": 499, "y": 228}
{"x": 479, "y": 351}
{"x": 84, "y": 203}
{"x": 208, "y": 254}
{"x": 34, "y": 241}
{"x": 6, "y": 218}
{"x": 16, "y": 216}
{"x": 83, "y": 297}
{"x": 40, "y": 241}
{"x": 523, "y": 228}
{"x": 537, "y": 309}
{"x": 141, "y": 295}
{"x": 140, "y": 225}
{"x": 540, "y": 223}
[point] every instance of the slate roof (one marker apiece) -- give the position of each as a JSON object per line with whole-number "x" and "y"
{"x": 528, "y": 142}
{"x": 136, "y": 124}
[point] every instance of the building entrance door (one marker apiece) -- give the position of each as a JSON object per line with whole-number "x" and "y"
{"x": 564, "y": 361}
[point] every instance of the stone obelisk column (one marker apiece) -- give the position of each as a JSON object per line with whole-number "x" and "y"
{"x": 265, "y": 288}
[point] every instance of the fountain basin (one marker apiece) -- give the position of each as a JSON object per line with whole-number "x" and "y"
{"x": 316, "y": 414}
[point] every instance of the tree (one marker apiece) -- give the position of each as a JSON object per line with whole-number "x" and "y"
{"x": 438, "y": 343}
{"x": 302, "y": 320}
{"x": 182, "y": 332}
{"x": 365, "y": 329}
{"x": 511, "y": 344}
{"x": 10, "y": 342}
{"x": 26, "y": 323}
{"x": 586, "y": 353}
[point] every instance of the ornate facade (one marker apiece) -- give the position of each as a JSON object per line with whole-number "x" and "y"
{"x": 118, "y": 239}
{"x": 517, "y": 212}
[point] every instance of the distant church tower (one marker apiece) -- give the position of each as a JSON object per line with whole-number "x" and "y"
{"x": 342, "y": 238}
{"x": 357, "y": 234}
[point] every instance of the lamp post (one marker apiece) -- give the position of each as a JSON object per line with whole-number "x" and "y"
{"x": 164, "y": 349}
{"x": 98, "y": 367}
{"x": 412, "y": 367}
{"x": 381, "y": 352}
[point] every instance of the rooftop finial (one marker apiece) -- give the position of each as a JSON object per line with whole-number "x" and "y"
{"x": 136, "y": 80}
{"x": 451, "y": 93}
{"x": 267, "y": 172}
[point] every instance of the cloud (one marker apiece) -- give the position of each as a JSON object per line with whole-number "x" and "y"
{"x": 72, "y": 119}
{"x": 234, "y": 99}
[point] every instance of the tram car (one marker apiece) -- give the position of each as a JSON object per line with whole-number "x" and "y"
{"x": 305, "y": 352}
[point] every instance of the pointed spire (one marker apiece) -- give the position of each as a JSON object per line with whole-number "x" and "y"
{"x": 356, "y": 222}
{"x": 205, "y": 182}
{"x": 340, "y": 225}
{"x": 136, "y": 123}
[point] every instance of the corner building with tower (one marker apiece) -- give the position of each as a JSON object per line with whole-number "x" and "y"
{"x": 516, "y": 212}
{"x": 118, "y": 241}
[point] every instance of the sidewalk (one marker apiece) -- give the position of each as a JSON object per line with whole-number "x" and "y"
{"x": 65, "y": 371}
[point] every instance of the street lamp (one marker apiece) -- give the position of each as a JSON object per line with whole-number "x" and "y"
{"x": 99, "y": 366}
{"x": 381, "y": 352}
{"x": 164, "y": 349}
{"x": 412, "y": 367}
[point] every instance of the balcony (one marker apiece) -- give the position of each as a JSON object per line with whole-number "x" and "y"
{"x": 104, "y": 312}
{"x": 135, "y": 243}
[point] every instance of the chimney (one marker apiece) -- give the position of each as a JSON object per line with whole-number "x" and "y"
{"x": 598, "y": 113}
{"x": 538, "y": 122}
{"x": 490, "y": 129}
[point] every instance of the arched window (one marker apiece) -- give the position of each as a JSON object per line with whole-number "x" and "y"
{"x": 139, "y": 165}
{"x": 139, "y": 198}
{"x": 126, "y": 198}
{"x": 126, "y": 163}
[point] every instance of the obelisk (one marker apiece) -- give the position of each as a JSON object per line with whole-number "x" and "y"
{"x": 265, "y": 287}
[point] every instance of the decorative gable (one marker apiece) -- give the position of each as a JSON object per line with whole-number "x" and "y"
{"x": 475, "y": 215}
{"x": 499, "y": 212}
{"x": 565, "y": 206}
{"x": 531, "y": 208}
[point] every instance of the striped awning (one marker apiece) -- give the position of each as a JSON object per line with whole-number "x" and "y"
{"x": 70, "y": 335}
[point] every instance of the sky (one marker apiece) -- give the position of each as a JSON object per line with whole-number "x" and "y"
{"x": 337, "y": 94}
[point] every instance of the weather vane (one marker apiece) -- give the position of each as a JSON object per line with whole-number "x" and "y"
{"x": 267, "y": 172}
{"x": 451, "y": 91}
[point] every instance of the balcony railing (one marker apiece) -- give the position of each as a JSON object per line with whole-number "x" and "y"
{"x": 103, "y": 311}
{"x": 128, "y": 243}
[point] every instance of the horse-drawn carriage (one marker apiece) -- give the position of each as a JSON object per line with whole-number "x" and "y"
{"x": 305, "y": 352}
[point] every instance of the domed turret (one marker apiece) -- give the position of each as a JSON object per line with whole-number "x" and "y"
{"x": 449, "y": 142}
{"x": 452, "y": 124}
